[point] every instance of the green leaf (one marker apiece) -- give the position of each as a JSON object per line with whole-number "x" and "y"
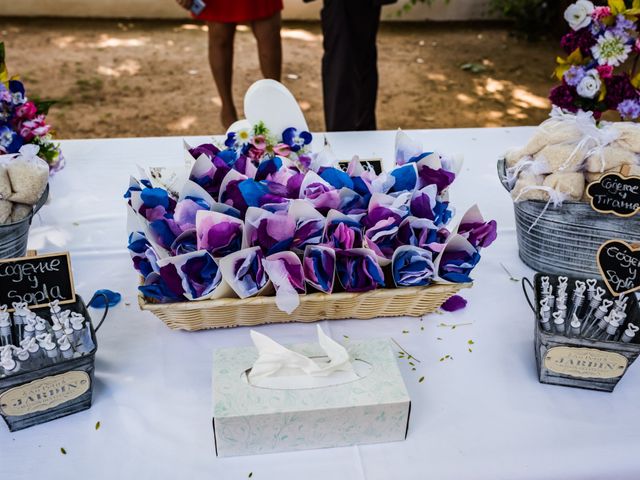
{"x": 421, "y": 379}
{"x": 405, "y": 331}
{"x": 250, "y": 475}
{"x": 97, "y": 425}
{"x": 63, "y": 451}
{"x": 470, "y": 342}
{"x": 43, "y": 106}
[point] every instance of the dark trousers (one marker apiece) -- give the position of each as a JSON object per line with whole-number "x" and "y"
{"x": 349, "y": 64}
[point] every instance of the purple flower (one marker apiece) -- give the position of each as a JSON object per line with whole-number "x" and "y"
{"x": 381, "y": 238}
{"x": 619, "y": 88}
{"x": 412, "y": 267}
{"x": 200, "y": 273}
{"x": 10, "y": 141}
{"x": 293, "y": 267}
{"x": 358, "y": 270}
{"x": 563, "y": 96}
{"x": 210, "y": 176}
{"x": 233, "y": 196}
{"x": 378, "y": 213}
{"x": 479, "y": 234}
{"x": 157, "y": 288}
{"x": 219, "y": 234}
{"x": 629, "y": 109}
{"x": 17, "y": 92}
{"x": 138, "y": 248}
{"x": 343, "y": 234}
{"x": 295, "y": 139}
{"x": 440, "y": 177}
{"x": 208, "y": 149}
{"x": 421, "y": 232}
{"x": 185, "y": 213}
{"x": 186, "y": 242}
{"x": 425, "y": 204}
{"x": 164, "y": 232}
{"x": 574, "y": 75}
{"x": 321, "y": 196}
{"x": 582, "y": 39}
{"x": 274, "y": 233}
{"x": 308, "y": 232}
{"x": 172, "y": 280}
{"x": 456, "y": 265}
{"x": 319, "y": 265}
{"x": 622, "y": 26}
{"x": 248, "y": 275}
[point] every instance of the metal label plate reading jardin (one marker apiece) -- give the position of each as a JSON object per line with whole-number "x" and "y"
{"x": 585, "y": 362}
{"x": 44, "y": 393}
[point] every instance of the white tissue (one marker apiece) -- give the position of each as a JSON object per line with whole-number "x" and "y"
{"x": 277, "y": 365}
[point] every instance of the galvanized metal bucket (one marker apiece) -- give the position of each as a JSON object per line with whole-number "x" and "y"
{"x": 14, "y": 236}
{"x": 564, "y": 240}
{"x": 593, "y": 364}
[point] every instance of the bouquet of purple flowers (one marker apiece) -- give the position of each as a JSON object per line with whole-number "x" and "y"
{"x": 603, "y": 47}
{"x": 23, "y": 121}
{"x": 263, "y": 215}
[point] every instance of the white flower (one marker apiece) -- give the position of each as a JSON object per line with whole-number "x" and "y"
{"x": 243, "y": 137}
{"x": 610, "y": 50}
{"x": 578, "y": 15}
{"x": 590, "y": 85}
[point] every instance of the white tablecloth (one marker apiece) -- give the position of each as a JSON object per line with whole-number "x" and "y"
{"x": 479, "y": 415}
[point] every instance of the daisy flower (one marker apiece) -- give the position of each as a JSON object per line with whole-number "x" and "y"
{"x": 610, "y": 50}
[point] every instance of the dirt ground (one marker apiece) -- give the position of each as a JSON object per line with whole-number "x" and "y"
{"x": 122, "y": 79}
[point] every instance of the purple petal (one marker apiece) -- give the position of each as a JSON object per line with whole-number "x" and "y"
{"x": 454, "y": 303}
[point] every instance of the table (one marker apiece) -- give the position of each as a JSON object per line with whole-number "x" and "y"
{"x": 480, "y": 414}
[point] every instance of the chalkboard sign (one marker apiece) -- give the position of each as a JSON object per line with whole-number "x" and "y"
{"x": 617, "y": 194}
{"x": 37, "y": 280}
{"x": 376, "y": 163}
{"x": 619, "y": 264}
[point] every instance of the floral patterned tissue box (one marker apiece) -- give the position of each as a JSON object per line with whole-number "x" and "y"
{"x": 251, "y": 420}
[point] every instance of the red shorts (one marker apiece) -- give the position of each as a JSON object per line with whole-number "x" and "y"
{"x": 239, "y": 11}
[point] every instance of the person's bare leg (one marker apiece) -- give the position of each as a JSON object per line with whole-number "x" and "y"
{"x": 267, "y": 33}
{"x": 221, "y": 37}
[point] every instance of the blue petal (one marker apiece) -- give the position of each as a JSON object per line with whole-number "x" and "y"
{"x": 252, "y": 191}
{"x": 231, "y": 140}
{"x": 336, "y": 178}
{"x": 406, "y": 178}
{"x": 417, "y": 158}
{"x": 228, "y": 156}
{"x": 306, "y": 136}
{"x": 152, "y": 197}
{"x": 287, "y": 136}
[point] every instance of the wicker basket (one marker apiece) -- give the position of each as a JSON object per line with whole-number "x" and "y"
{"x": 230, "y": 312}
{"x": 565, "y": 240}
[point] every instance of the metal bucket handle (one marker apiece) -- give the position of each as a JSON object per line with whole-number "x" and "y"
{"x": 502, "y": 174}
{"x": 106, "y": 308}
{"x": 41, "y": 201}
{"x": 526, "y": 282}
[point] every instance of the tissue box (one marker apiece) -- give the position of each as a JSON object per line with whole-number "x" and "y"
{"x": 250, "y": 420}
